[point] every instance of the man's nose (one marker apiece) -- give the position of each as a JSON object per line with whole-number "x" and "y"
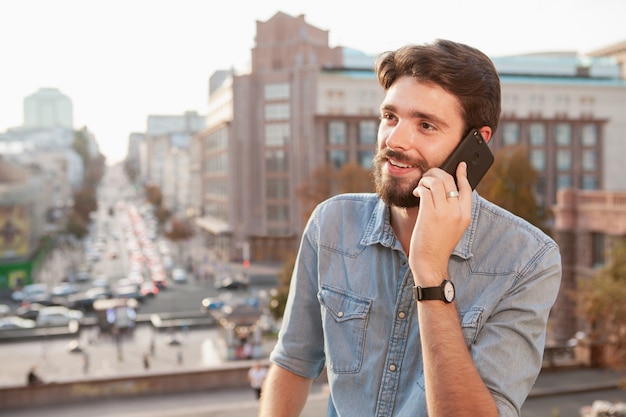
{"x": 400, "y": 137}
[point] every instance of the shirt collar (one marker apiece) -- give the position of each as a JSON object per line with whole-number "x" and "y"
{"x": 379, "y": 230}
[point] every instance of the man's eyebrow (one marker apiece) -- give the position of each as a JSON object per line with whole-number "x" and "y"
{"x": 416, "y": 114}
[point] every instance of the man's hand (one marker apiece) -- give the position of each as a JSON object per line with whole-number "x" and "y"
{"x": 441, "y": 222}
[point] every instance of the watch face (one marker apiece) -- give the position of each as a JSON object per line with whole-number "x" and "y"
{"x": 448, "y": 291}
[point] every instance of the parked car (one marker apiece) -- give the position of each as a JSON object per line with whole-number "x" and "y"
{"x": 211, "y": 304}
{"x": 149, "y": 289}
{"x": 64, "y": 289}
{"x": 29, "y": 311}
{"x": 30, "y": 293}
{"x": 84, "y": 301}
{"x": 129, "y": 291}
{"x": 179, "y": 275}
{"x": 5, "y": 310}
{"x": 57, "y": 316}
{"x": 232, "y": 282}
{"x": 15, "y": 322}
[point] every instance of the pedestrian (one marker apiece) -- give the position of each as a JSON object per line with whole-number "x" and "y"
{"x": 85, "y": 363}
{"x": 256, "y": 377}
{"x": 32, "y": 378}
{"x": 422, "y": 299}
{"x": 146, "y": 361}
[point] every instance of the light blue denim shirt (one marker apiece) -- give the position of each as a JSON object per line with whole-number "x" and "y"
{"x": 351, "y": 307}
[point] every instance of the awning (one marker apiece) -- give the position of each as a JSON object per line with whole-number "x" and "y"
{"x": 213, "y": 225}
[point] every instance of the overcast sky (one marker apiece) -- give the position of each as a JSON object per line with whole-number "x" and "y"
{"x": 122, "y": 60}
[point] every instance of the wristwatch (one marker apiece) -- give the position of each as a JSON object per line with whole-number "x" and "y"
{"x": 445, "y": 292}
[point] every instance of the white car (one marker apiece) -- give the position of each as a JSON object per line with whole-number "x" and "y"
{"x": 57, "y": 316}
{"x": 14, "y": 322}
{"x": 29, "y": 291}
{"x": 179, "y": 275}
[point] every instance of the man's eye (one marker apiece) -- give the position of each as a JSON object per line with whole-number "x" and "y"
{"x": 426, "y": 126}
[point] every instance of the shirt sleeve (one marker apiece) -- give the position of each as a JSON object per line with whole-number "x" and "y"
{"x": 508, "y": 351}
{"x": 300, "y": 346}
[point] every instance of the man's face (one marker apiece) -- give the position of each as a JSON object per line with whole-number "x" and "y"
{"x": 420, "y": 125}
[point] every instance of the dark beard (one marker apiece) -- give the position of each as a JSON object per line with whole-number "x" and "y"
{"x": 393, "y": 191}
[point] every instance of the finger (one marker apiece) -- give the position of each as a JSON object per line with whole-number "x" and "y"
{"x": 464, "y": 187}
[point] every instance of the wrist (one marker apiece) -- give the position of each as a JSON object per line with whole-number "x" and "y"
{"x": 444, "y": 292}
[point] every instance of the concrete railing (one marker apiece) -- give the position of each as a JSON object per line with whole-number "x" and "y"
{"x": 224, "y": 377}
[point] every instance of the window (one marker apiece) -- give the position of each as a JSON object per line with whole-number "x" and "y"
{"x": 510, "y": 135}
{"x": 537, "y": 132}
{"x": 538, "y": 159}
{"x": 563, "y": 181}
{"x": 337, "y": 158}
{"x": 276, "y": 134}
{"x": 337, "y": 133}
{"x": 277, "y": 188}
{"x": 278, "y": 91}
{"x": 278, "y": 212}
{"x": 588, "y": 182}
{"x": 366, "y": 159}
{"x": 597, "y": 249}
{"x": 276, "y": 161}
{"x": 589, "y": 160}
{"x": 277, "y": 111}
{"x": 563, "y": 134}
{"x": 563, "y": 160}
{"x": 588, "y": 135}
{"x": 368, "y": 131}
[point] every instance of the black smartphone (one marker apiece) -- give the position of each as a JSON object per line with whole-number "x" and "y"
{"x": 473, "y": 150}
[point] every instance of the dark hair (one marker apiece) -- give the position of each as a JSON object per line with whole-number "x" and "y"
{"x": 461, "y": 70}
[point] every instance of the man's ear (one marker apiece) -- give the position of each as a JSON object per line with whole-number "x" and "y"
{"x": 486, "y": 132}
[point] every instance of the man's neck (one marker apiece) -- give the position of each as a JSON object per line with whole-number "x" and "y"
{"x": 403, "y": 222}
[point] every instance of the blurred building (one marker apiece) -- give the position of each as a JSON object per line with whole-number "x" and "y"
{"x": 302, "y": 105}
{"x": 568, "y": 111}
{"x": 162, "y": 156}
{"x": 48, "y": 108}
{"x": 586, "y": 225}
{"x": 22, "y": 222}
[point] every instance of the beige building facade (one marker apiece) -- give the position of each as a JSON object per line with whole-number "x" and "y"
{"x": 586, "y": 224}
{"x": 304, "y": 105}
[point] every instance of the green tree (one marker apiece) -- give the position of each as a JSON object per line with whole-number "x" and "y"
{"x": 327, "y": 181}
{"x": 153, "y": 195}
{"x": 178, "y": 229}
{"x": 509, "y": 183}
{"x": 76, "y": 225}
{"x": 323, "y": 183}
{"x": 85, "y": 202}
{"x": 279, "y": 299}
{"x": 602, "y": 303}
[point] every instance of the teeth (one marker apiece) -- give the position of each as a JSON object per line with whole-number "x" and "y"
{"x": 398, "y": 164}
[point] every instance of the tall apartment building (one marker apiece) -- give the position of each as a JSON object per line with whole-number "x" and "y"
{"x": 267, "y": 131}
{"x": 304, "y": 105}
{"x": 568, "y": 111}
{"x": 587, "y": 223}
{"x": 162, "y": 156}
{"x": 48, "y": 108}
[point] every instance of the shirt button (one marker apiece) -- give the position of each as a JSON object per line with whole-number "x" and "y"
{"x": 403, "y": 263}
{"x": 392, "y": 367}
{"x": 340, "y": 314}
{"x": 402, "y": 314}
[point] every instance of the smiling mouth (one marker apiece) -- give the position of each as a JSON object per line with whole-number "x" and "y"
{"x": 399, "y": 164}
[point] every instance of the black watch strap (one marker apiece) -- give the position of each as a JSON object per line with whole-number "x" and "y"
{"x": 427, "y": 293}
{"x": 444, "y": 292}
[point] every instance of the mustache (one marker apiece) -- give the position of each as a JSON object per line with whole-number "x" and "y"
{"x": 387, "y": 153}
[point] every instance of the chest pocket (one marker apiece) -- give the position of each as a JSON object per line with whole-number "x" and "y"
{"x": 345, "y": 318}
